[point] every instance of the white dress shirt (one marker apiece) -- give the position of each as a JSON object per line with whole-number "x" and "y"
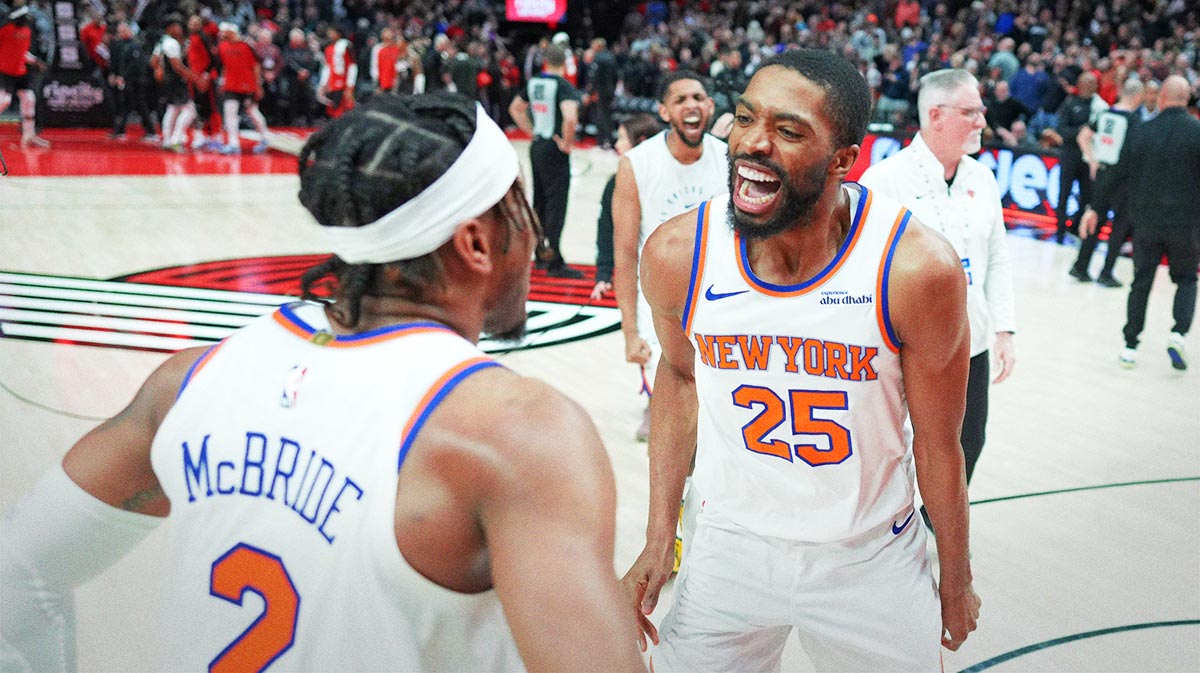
{"x": 969, "y": 214}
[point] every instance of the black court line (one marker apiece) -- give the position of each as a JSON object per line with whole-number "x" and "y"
{"x": 1083, "y": 488}
{"x": 1007, "y": 656}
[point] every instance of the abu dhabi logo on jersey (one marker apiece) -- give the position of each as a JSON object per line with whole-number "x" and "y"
{"x": 843, "y": 297}
{"x": 197, "y": 305}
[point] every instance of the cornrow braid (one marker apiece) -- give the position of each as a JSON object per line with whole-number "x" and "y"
{"x": 365, "y": 165}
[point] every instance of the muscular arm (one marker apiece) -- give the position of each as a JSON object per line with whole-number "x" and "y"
{"x": 549, "y": 519}
{"x": 928, "y": 302}
{"x": 79, "y": 519}
{"x": 666, "y": 265}
{"x": 112, "y": 462}
{"x": 570, "y": 119}
{"x": 627, "y": 225}
{"x": 518, "y": 109}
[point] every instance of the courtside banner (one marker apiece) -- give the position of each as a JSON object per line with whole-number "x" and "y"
{"x": 536, "y": 11}
{"x": 1028, "y": 179}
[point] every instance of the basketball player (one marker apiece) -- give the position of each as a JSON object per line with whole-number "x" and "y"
{"x": 339, "y": 73}
{"x": 241, "y": 89}
{"x": 548, "y": 110}
{"x": 668, "y": 174}
{"x": 174, "y": 76}
{"x": 379, "y": 482}
{"x": 15, "y": 58}
{"x": 802, "y": 321}
{"x": 957, "y": 196}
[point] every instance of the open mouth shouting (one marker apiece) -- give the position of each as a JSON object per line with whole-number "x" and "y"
{"x": 755, "y": 187}
{"x": 693, "y": 123}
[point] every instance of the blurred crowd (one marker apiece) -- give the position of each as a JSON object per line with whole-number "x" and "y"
{"x": 1027, "y": 54}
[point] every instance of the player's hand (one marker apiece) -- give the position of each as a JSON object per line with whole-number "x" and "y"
{"x": 563, "y": 146}
{"x": 1006, "y": 355}
{"x": 1087, "y": 223}
{"x": 960, "y": 612}
{"x": 600, "y": 288}
{"x": 637, "y": 350}
{"x": 643, "y": 583}
{"x": 1093, "y": 167}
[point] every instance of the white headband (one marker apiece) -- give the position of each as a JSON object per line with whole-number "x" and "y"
{"x": 475, "y": 182}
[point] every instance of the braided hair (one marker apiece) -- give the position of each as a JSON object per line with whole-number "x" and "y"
{"x": 366, "y": 164}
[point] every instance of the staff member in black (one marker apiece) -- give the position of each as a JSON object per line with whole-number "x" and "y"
{"x": 548, "y": 110}
{"x": 1161, "y": 162}
{"x": 1073, "y": 117}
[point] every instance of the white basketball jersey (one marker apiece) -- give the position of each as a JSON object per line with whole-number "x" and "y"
{"x": 280, "y": 459}
{"x": 667, "y": 188}
{"x": 801, "y": 401}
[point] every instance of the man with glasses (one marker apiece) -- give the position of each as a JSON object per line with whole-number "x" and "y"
{"x": 946, "y": 188}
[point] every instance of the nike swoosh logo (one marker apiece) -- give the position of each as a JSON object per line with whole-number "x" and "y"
{"x": 713, "y": 296}
{"x": 896, "y": 530}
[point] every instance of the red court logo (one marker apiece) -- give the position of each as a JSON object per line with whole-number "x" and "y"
{"x": 179, "y": 307}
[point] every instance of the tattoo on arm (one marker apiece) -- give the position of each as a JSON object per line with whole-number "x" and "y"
{"x": 140, "y": 500}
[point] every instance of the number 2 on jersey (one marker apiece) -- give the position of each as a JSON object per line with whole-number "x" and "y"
{"x": 244, "y": 568}
{"x": 773, "y": 412}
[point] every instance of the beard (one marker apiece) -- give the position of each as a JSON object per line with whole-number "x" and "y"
{"x": 513, "y": 335}
{"x": 683, "y": 137}
{"x": 795, "y": 201}
{"x": 509, "y": 324}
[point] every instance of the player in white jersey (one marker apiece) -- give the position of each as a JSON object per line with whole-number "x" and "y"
{"x": 802, "y": 321}
{"x": 667, "y": 175}
{"x": 384, "y": 487}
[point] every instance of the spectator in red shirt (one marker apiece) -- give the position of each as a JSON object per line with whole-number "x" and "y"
{"x": 200, "y": 50}
{"x": 15, "y": 37}
{"x": 385, "y": 58}
{"x": 908, "y": 13}
{"x": 339, "y": 74}
{"x": 91, "y": 36}
{"x": 241, "y": 86}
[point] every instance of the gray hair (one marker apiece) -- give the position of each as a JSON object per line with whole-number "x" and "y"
{"x": 1132, "y": 88}
{"x": 938, "y": 86}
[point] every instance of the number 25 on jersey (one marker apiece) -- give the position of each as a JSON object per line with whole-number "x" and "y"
{"x": 773, "y": 411}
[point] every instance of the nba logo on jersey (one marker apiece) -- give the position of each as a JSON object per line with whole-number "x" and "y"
{"x": 291, "y": 386}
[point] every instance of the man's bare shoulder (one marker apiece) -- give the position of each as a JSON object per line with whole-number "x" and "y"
{"x": 924, "y": 256}
{"x": 672, "y": 244}
{"x": 514, "y": 422}
{"x": 666, "y": 266}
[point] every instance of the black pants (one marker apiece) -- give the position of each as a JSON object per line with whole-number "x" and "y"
{"x": 1116, "y": 237}
{"x": 1072, "y": 167}
{"x": 604, "y": 120}
{"x": 133, "y": 98}
{"x": 974, "y": 427}
{"x": 551, "y": 182}
{"x": 1182, "y": 250}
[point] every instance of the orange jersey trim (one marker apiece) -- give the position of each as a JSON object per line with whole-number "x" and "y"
{"x": 881, "y": 288}
{"x": 770, "y": 289}
{"x": 288, "y": 320}
{"x": 699, "y": 256}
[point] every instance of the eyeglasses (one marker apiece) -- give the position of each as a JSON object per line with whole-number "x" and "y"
{"x": 968, "y": 111}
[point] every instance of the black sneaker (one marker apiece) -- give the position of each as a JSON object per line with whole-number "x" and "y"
{"x": 1080, "y": 276}
{"x": 564, "y": 271}
{"x": 1108, "y": 281}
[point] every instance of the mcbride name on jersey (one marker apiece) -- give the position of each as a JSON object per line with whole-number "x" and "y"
{"x": 281, "y": 458}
